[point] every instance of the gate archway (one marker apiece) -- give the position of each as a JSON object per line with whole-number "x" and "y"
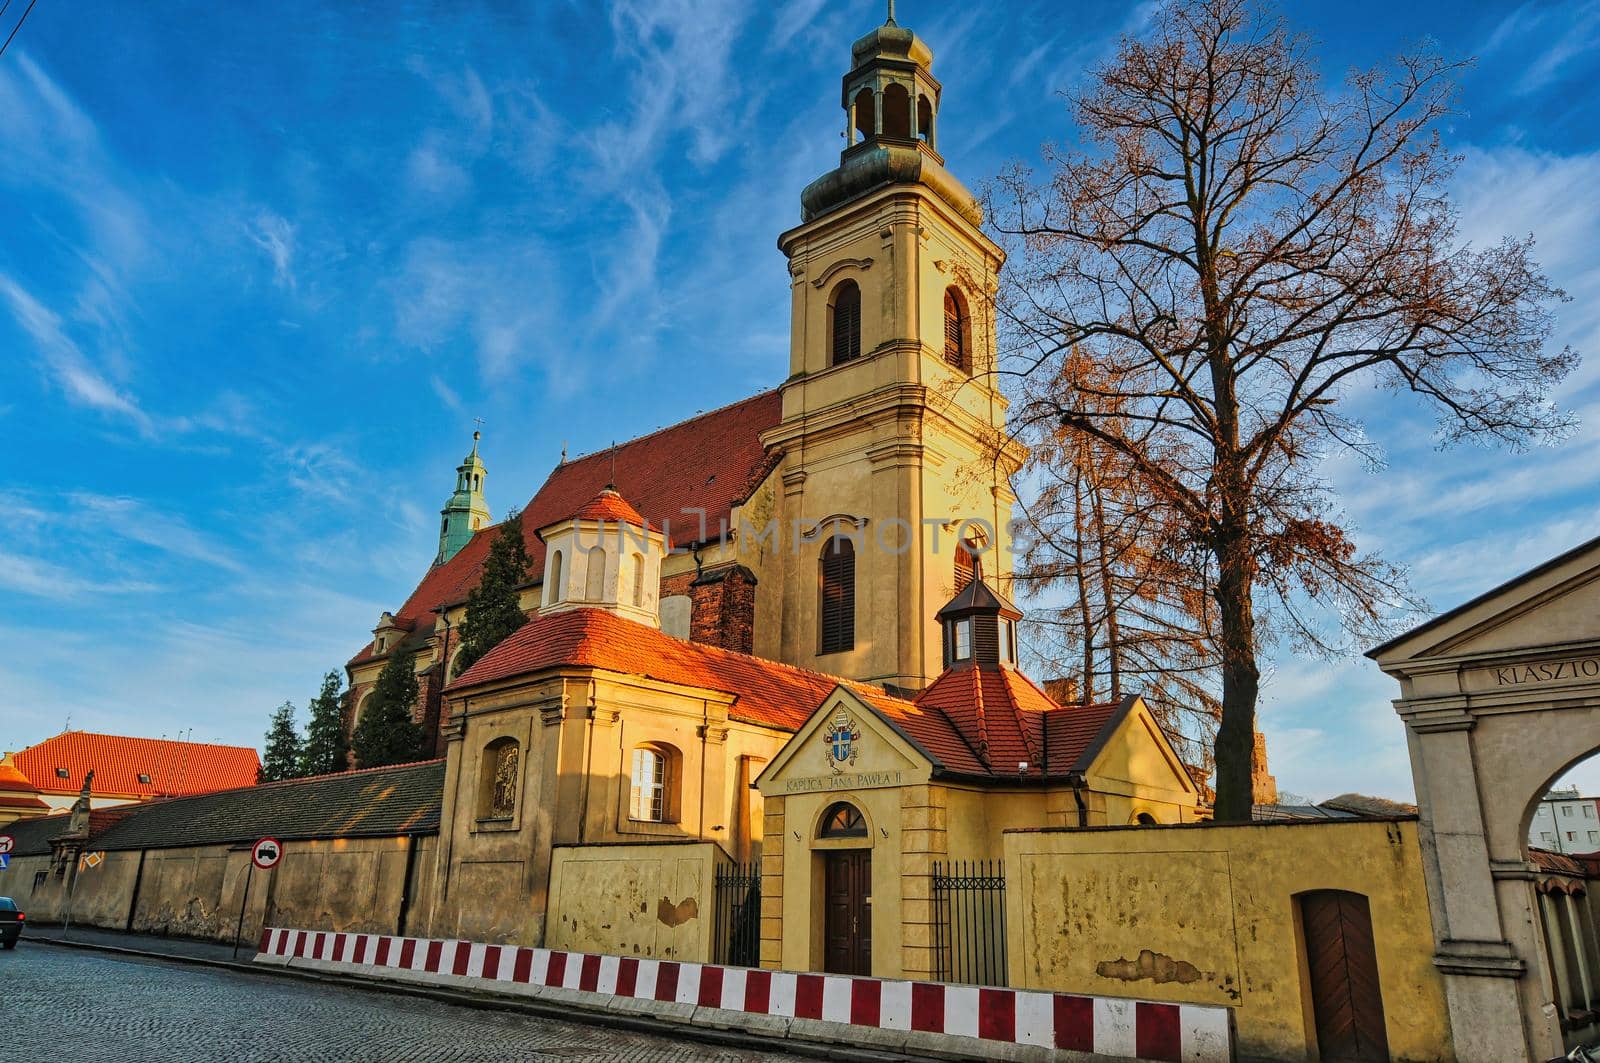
{"x": 1499, "y": 697}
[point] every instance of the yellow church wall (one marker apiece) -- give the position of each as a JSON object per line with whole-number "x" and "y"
{"x": 578, "y": 732}
{"x": 1209, "y": 914}
{"x": 651, "y": 900}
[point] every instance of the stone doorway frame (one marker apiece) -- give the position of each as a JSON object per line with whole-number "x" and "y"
{"x": 1499, "y": 702}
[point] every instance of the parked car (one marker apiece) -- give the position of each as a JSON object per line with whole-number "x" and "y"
{"x": 11, "y": 920}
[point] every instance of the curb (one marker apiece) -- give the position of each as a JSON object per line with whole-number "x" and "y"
{"x": 483, "y": 1001}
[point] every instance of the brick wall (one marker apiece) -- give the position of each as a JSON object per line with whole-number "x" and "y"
{"x": 724, "y": 608}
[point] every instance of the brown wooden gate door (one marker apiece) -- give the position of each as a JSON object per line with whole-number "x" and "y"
{"x": 848, "y": 918}
{"x": 1343, "y": 961}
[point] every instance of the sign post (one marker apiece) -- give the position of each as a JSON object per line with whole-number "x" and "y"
{"x": 264, "y": 854}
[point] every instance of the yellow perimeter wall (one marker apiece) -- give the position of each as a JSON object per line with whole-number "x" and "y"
{"x": 653, "y": 900}
{"x": 1208, "y": 914}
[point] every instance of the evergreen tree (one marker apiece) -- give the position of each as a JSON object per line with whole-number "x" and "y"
{"x": 493, "y": 607}
{"x": 324, "y": 750}
{"x": 386, "y": 733}
{"x": 283, "y": 747}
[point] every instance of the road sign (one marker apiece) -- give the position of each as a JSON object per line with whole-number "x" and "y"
{"x": 7, "y": 843}
{"x": 266, "y": 853}
{"x": 88, "y": 861}
{"x": 5, "y": 861}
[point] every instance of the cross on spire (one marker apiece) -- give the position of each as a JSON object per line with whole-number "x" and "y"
{"x": 891, "y": 20}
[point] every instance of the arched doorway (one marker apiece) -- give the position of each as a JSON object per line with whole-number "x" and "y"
{"x": 1500, "y": 697}
{"x": 844, "y": 845}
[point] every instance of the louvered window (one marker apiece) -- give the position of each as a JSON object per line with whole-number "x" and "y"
{"x": 966, "y": 567}
{"x": 838, "y": 596}
{"x": 955, "y": 331}
{"x": 846, "y": 323}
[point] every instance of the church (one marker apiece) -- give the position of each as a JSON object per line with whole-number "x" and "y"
{"x": 777, "y": 635}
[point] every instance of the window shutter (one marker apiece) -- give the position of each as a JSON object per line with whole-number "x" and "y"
{"x": 965, "y": 567}
{"x": 838, "y": 596}
{"x": 954, "y": 346}
{"x": 847, "y": 323}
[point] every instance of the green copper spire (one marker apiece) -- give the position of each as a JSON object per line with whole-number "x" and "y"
{"x": 466, "y": 511}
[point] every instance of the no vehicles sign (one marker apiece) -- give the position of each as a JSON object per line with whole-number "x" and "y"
{"x": 266, "y": 853}
{"x": 7, "y": 843}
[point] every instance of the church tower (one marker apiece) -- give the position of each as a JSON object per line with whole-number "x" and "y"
{"x": 466, "y": 511}
{"x": 896, "y": 464}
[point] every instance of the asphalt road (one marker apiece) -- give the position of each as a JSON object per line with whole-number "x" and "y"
{"x": 60, "y": 1003}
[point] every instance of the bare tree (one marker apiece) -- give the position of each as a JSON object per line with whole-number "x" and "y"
{"x": 1237, "y": 253}
{"x": 1127, "y": 611}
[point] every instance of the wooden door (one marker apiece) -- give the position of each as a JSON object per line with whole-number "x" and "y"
{"x": 1343, "y": 962}
{"x": 848, "y": 916}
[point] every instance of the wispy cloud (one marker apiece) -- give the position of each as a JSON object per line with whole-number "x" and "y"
{"x": 275, "y": 235}
{"x": 65, "y": 363}
{"x": 1557, "y": 34}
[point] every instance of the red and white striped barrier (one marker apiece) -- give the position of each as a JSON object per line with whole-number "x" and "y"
{"x": 844, "y": 1008}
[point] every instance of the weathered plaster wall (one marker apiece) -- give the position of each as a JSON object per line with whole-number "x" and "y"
{"x": 345, "y": 884}
{"x": 649, "y": 900}
{"x": 1209, "y": 915}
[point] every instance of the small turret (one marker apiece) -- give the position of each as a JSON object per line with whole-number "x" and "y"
{"x": 980, "y": 628}
{"x": 466, "y": 511}
{"x": 604, "y": 556}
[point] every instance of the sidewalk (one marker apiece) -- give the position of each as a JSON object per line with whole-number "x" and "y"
{"x": 148, "y": 944}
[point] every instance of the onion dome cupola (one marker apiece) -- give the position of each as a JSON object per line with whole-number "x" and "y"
{"x": 891, "y": 104}
{"x": 980, "y": 628}
{"x": 604, "y": 556}
{"x": 467, "y": 511}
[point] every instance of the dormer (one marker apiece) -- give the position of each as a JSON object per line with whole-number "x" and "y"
{"x": 605, "y": 556}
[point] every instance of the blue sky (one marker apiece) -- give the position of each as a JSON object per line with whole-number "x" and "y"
{"x": 261, "y": 266}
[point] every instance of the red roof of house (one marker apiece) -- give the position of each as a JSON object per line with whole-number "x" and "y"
{"x": 173, "y": 768}
{"x": 768, "y": 693}
{"x": 609, "y": 505}
{"x": 711, "y": 462}
{"x": 986, "y": 721}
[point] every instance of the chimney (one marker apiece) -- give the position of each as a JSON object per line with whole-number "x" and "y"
{"x": 723, "y": 608}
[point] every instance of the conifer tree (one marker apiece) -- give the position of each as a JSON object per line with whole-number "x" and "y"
{"x": 324, "y": 749}
{"x": 493, "y": 607}
{"x": 283, "y": 747}
{"x": 386, "y": 733}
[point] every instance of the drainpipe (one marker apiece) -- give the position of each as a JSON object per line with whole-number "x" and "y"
{"x": 1076, "y": 781}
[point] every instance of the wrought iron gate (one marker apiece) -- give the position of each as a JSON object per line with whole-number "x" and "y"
{"x": 969, "y": 905}
{"x": 738, "y": 907}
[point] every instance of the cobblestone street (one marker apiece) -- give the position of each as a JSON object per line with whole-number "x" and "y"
{"x": 67, "y": 1003}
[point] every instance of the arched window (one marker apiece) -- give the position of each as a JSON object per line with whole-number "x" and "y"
{"x": 897, "y": 112}
{"x": 955, "y": 330}
{"x": 1145, "y": 819}
{"x": 925, "y": 119}
{"x": 865, "y": 126}
{"x": 638, "y": 581}
{"x": 845, "y": 323}
{"x": 552, "y": 579}
{"x": 842, "y": 820}
{"x": 497, "y": 781}
{"x": 838, "y": 614}
{"x": 651, "y": 799}
{"x": 594, "y": 586}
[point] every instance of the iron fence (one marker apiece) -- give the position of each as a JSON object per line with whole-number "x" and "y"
{"x": 738, "y": 909}
{"x": 969, "y": 908}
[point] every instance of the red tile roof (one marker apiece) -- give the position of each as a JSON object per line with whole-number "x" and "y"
{"x": 711, "y": 462}
{"x": 173, "y": 768}
{"x": 985, "y": 721}
{"x": 768, "y": 693}
{"x": 609, "y": 505}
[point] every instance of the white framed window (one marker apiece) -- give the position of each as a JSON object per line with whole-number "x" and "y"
{"x": 963, "y": 636}
{"x": 1547, "y": 837}
{"x": 1566, "y": 810}
{"x": 1008, "y": 642}
{"x": 648, "y": 800}
{"x": 1588, "y": 811}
